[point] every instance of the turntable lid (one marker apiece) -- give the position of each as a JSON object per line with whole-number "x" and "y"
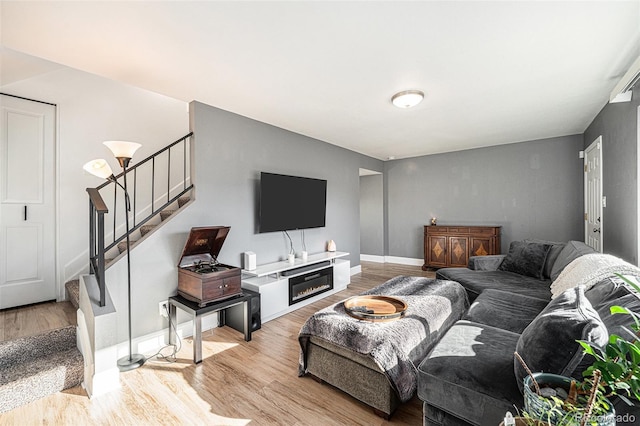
{"x": 204, "y": 243}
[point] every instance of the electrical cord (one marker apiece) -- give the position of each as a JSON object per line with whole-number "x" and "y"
{"x": 173, "y": 356}
{"x": 304, "y": 244}
{"x": 291, "y": 251}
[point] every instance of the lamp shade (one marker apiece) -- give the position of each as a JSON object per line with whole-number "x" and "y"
{"x": 407, "y": 98}
{"x": 99, "y": 168}
{"x": 122, "y": 149}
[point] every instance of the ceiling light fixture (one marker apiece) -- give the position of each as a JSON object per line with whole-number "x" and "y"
{"x": 407, "y": 98}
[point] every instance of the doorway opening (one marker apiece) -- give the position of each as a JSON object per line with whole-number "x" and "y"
{"x": 371, "y": 216}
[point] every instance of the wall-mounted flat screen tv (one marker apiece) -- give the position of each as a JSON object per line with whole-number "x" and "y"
{"x": 291, "y": 202}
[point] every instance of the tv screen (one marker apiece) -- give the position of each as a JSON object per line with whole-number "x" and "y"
{"x": 291, "y": 202}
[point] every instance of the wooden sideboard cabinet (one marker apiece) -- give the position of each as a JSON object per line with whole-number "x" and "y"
{"x": 451, "y": 246}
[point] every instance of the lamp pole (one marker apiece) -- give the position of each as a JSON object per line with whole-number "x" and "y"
{"x": 132, "y": 361}
{"x": 123, "y": 151}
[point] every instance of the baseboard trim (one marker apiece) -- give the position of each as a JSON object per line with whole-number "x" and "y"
{"x": 372, "y": 258}
{"x": 404, "y": 260}
{"x": 356, "y": 270}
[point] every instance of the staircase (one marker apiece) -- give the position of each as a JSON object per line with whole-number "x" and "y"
{"x": 73, "y": 286}
{"x": 36, "y": 366}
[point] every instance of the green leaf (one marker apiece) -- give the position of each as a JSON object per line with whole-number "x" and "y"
{"x": 620, "y": 310}
{"x": 586, "y": 346}
{"x": 616, "y": 370}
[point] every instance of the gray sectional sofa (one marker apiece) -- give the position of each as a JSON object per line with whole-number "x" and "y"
{"x": 470, "y": 377}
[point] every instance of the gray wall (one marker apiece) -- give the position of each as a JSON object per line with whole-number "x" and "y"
{"x": 618, "y": 125}
{"x": 371, "y": 215}
{"x": 230, "y": 153}
{"x": 531, "y": 189}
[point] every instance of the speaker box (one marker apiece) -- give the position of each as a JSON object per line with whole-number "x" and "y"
{"x": 249, "y": 260}
{"x": 233, "y": 316}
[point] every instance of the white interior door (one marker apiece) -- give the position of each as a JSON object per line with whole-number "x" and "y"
{"x": 593, "y": 199}
{"x": 27, "y": 203}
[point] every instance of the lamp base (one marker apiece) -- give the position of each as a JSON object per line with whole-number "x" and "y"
{"x": 131, "y": 362}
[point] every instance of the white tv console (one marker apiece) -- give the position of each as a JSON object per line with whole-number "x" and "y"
{"x": 273, "y": 286}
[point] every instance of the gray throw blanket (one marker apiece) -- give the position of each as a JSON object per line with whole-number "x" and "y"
{"x": 397, "y": 347}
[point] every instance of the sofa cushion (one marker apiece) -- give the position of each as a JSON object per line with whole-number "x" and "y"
{"x": 571, "y": 251}
{"x": 554, "y": 252}
{"x": 549, "y": 343}
{"x": 505, "y": 310}
{"x": 469, "y": 373}
{"x": 526, "y": 258}
{"x": 475, "y": 282}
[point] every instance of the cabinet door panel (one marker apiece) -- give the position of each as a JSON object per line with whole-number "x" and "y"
{"x": 481, "y": 246}
{"x": 436, "y": 255}
{"x": 458, "y": 254}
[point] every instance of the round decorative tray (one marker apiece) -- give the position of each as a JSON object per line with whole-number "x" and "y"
{"x": 375, "y": 308}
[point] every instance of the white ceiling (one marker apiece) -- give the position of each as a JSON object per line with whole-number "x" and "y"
{"x": 493, "y": 72}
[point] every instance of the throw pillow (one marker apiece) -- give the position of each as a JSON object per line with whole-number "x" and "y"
{"x": 550, "y": 344}
{"x": 526, "y": 258}
{"x": 554, "y": 252}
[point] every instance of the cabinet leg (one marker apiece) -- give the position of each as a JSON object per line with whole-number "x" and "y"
{"x": 197, "y": 339}
{"x": 247, "y": 320}
{"x": 172, "y": 323}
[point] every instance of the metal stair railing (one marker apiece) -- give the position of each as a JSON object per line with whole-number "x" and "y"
{"x": 178, "y": 183}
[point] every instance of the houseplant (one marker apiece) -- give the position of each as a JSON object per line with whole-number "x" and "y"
{"x": 582, "y": 403}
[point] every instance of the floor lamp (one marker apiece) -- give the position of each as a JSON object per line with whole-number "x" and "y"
{"x": 123, "y": 151}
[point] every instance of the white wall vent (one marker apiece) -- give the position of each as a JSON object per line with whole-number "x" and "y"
{"x": 622, "y": 91}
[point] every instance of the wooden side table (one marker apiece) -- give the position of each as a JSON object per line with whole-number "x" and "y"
{"x": 198, "y": 312}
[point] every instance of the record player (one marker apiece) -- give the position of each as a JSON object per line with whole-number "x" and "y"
{"x": 201, "y": 278}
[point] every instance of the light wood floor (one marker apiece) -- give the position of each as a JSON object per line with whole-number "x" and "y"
{"x": 238, "y": 382}
{"x": 34, "y": 319}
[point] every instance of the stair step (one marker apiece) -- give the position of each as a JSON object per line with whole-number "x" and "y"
{"x": 164, "y": 214}
{"x": 36, "y": 366}
{"x": 73, "y": 292}
{"x": 122, "y": 246}
{"x": 183, "y": 200}
{"x": 145, "y": 229}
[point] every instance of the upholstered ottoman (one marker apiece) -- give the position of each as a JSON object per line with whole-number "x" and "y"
{"x": 376, "y": 362}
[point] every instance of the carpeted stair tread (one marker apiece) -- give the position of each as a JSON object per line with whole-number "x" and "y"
{"x": 166, "y": 213}
{"x": 37, "y": 378}
{"x": 122, "y": 246}
{"x": 26, "y": 348}
{"x": 183, "y": 200}
{"x": 43, "y": 366}
{"x": 73, "y": 292}
{"x": 145, "y": 229}
{"x": 36, "y": 366}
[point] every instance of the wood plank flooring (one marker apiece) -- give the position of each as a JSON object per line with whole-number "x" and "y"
{"x": 238, "y": 382}
{"x": 34, "y": 319}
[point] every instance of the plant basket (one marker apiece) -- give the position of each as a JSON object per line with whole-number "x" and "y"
{"x": 546, "y": 410}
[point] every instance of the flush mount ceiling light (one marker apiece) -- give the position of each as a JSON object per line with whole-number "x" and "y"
{"x": 407, "y": 98}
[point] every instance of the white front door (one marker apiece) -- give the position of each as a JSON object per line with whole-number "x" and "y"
{"x": 27, "y": 206}
{"x": 593, "y": 199}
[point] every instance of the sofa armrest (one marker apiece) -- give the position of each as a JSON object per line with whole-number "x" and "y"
{"x": 485, "y": 263}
